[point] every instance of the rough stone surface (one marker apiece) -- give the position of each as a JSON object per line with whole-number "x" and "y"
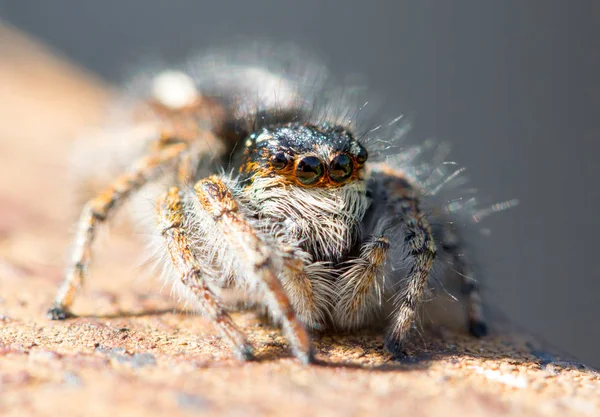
{"x": 131, "y": 352}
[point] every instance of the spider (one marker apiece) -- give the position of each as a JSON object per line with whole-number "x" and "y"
{"x": 265, "y": 188}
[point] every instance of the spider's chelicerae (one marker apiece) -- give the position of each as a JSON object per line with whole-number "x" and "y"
{"x": 266, "y": 182}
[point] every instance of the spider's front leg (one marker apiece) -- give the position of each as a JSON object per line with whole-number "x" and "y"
{"x": 175, "y": 230}
{"x": 252, "y": 257}
{"x": 98, "y": 210}
{"x": 403, "y": 203}
{"x": 396, "y": 204}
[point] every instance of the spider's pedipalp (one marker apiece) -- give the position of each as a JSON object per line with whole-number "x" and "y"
{"x": 176, "y": 234}
{"x": 310, "y": 286}
{"x": 360, "y": 286}
{"x": 253, "y": 258}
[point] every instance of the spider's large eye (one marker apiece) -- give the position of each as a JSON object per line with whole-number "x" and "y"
{"x": 340, "y": 168}
{"x": 309, "y": 170}
{"x": 278, "y": 161}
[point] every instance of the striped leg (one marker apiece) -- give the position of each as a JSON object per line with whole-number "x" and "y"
{"x": 254, "y": 259}
{"x": 98, "y": 210}
{"x": 402, "y": 205}
{"x": 173, "y": 227}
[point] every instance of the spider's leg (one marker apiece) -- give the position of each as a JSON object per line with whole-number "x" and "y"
{"x": 360, "y": 285}
{"x": 98, "y": 210}
{"x": 175, "y": 231}
{"x": 253, "y": 258}
{"x": 453, "y": 246}
{"x": 476, "y": 319}
{"x": 402, "y": 204}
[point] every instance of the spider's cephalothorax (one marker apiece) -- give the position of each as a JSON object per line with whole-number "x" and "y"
{"x": 304, "y": 222}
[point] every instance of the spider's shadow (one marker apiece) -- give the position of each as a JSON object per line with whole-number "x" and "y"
{"x": 342, "y": 350}
{"x": 361, "y": 350}
{"x": 326, "y": 345}
{"x": 423, "y": 351}
{"x": 128, "y": 314}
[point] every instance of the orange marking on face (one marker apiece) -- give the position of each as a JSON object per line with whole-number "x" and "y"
{"x": 287, "y": 175}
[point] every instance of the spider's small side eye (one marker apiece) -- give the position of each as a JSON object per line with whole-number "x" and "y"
{"x": 309, "y": 170}
{"x": 340, "y": 168}
{"x": 362, "y": 155}
{"x": 278, "y": 161}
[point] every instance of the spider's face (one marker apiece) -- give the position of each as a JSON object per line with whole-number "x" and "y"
{"x": 310, "y": 181}
{"x": 305, "y": 155}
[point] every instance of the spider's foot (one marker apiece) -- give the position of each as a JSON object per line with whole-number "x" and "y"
{"x": 59, "y": 313}
{"x": 305, "y": 358}
{"x": 395, "y": 348}
{"x": 245, "y": 352}
{"x": 478, "y": 328}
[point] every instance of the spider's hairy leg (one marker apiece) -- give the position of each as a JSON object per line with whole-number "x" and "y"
{"x": 403, "y": 204}
{"x": 476, "y": 319}
{"x": 254, "y": 258}
{"x": 175, "y": 231}
{"x": 98, "y": 210}
{"x": 453, "y": 246}
{"x": 310, "y": 287}
{"x": 360, "y": 287}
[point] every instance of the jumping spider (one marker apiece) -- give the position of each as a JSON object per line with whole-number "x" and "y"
{"x": 270, "y": 193}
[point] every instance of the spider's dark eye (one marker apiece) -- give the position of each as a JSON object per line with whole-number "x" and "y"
{"x": 340, "y": 168}
{"x": 361, "y": 155}
{"x": 278, "y": 161}
{"x": 309, "y": 170}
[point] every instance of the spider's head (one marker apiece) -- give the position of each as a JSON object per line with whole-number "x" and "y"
{"x": 310, "y": 181}
{"x": 305, "y": 155}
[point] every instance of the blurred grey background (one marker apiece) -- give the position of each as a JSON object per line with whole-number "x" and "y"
{"x": 513, "y": 85}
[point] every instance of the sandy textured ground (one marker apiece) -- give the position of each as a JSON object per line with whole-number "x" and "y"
{"x": 130, "y": 352}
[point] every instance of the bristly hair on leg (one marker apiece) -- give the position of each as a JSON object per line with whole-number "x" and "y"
{"x": 454, "y": 211}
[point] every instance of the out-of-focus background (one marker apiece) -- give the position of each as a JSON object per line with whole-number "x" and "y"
{"x": 513, "y": 85}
